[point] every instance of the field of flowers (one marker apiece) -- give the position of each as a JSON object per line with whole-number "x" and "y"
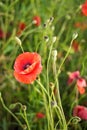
{"x": 43, "y": 60}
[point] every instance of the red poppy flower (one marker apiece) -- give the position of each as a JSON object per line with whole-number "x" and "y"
{"x": 81, "y": 84}
{"x": 80, "y": 111}
{"x": 77, "y": 24}
{"x": 73, "y": 76}
{"x": 84, "y": 8}
{"x": 21, "y": 27}
{"x": 37, "y": 20}
{"x": 40, "y": 115}
{"x": 81, "y": 26}
{"x": 27, "y": 67}
{"x": 75, "y": 46}
{"x": 1, "y": 34}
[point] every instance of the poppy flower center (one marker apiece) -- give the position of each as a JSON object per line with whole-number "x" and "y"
{"x": 26, "y": 66}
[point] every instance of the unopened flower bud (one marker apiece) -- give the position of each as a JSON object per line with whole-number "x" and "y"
{"x": 52, "y": 85}
{"x": 68, "y": 17}
{"x": 54, "y": 54}
{"x": 24, "y": 107}
{"x": 54, "y": 39}
{"x": 51, "y": 19}
{"x": 80, "y": 6}
{"x": 38, "y": 78}
{"x": 53, "y": 103}
{"x": 75, "y": 35}
{"x": 24, "y": 127}
{"x": 45, "y": 25}
{"x": 53, "y": 28}
{"x": 46, "y": 38}
{"x": 18, "y": 40}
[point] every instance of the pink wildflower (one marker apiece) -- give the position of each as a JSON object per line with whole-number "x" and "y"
{"x": 73, "y": 76}
{"x": 81, "y": 84}
{"x": 80, "y": 111}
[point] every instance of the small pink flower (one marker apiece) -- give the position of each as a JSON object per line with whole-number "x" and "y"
{"x": 73, "y": 76}
{"x": 80, "y": 111}
{"x": 84, "y": 8}
{"x": 81, "y": 84}
{"x": 37, "y": 20}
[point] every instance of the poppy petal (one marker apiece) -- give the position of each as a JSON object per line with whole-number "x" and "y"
{"x": 37, "y": 20}
{"x": 80, "y": 111}
{"x": 81, "y": 90}
{"x": 84, "y": 8}
{"x": 27, "y": 79}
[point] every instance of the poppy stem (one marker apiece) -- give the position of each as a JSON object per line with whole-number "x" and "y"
{"x": 77, "y": 94}
{"x": 48, "y": 108}
{"x": 42, "y": 87}
{"x": 22, "y": 49}
{"x": 25, "y": 29}
{"x": 73, "y": 38}
{"x": 50, "y": 117}
{"x": 60, "y": 114}
{"x": 56, "y": 74}
{"x": 26, "y": 120}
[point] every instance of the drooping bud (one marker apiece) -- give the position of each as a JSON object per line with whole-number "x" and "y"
{"x": 75, "y": 35}
{"x": 18, "y": 40}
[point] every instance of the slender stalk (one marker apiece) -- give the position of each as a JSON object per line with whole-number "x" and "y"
{"x": 44, "y": 92}
{"x": 57, "y": 109}
{"x": 22, "y": 48}
{"x": 26, "y": 120}
{"x": 25, "y": 29}
{"x": 48, "y": 66}
{"x": 50, "y": 111}
{"x": 62, "y": 30}
{"x": 60, "y": 105}
{"x": 60, "y": 108}
{"x": 42, "y": 87}
{"x": 57, "y": 83}
{"x": 77, "y": 94}
{"x": 47, "y": 107}
{"x": 59, "y": 70}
